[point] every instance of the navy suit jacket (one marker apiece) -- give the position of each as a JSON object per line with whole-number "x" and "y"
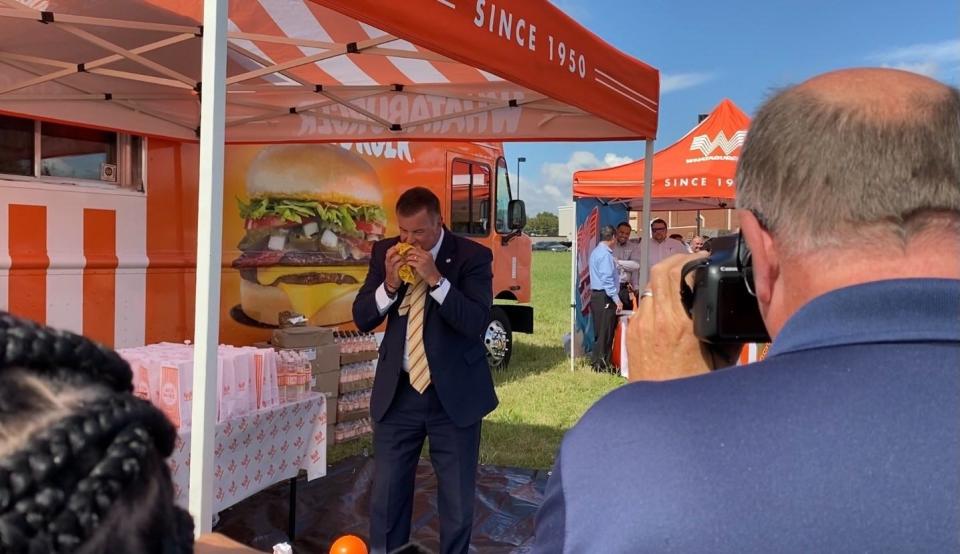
{"x": 452, "y": 331}
{"x": 846, "y": 438}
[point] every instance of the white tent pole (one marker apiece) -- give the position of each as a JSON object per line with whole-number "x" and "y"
{"x": 645, "y": 216}
{"x": 573, "y": 289}
{"x": 209, "y": 231}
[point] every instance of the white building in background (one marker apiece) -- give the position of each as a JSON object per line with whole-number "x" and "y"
{"x": 566, "y": 216}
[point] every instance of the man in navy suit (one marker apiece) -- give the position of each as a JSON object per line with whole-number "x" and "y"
{"x": 449, "y": 400}
{"x": 846, "y": 438}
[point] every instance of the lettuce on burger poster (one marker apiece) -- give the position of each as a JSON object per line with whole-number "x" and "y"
{"x": 299, "y": 224}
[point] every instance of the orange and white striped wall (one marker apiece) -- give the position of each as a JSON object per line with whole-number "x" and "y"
{"x": 75, "y": 257}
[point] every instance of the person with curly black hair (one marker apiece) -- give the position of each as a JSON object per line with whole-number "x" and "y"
{"x": 82, "y": 460}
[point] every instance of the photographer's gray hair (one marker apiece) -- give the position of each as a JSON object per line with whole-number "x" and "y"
{"x": 822, "y": 173}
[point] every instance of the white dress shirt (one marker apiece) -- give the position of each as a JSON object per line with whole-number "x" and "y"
{"x": 662, "y": 250}
{"x": 628, "y": 260}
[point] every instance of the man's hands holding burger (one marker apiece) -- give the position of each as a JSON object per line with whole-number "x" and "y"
{"x": 422, "y": 263}
{"x": 393, "y": 262}
{"x": 419, "y": 260}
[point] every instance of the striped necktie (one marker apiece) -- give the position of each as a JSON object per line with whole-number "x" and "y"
{"x": 417, "y": 354}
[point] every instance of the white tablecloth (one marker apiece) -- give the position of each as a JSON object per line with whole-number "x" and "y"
{"x": 257, "y": 450}
{"x": 623, "y": 321}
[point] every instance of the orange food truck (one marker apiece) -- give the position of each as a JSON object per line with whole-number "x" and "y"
{"x": 100, "y": 229}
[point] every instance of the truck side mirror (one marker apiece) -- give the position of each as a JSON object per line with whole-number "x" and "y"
{"x": 516, "y": 215}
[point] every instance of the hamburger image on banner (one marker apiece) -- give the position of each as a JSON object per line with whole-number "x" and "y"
{"x": 313, "y": 214}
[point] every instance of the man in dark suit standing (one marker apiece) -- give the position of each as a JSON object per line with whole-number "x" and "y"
{"x": 846, "y": 437}
{"x": 432, "y": 378}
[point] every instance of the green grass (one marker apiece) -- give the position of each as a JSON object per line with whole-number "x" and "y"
{"x": 540, "y": 398}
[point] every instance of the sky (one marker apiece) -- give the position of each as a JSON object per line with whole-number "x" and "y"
{"x": 708, "y": 51}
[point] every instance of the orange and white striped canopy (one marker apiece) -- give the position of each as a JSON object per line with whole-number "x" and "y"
{"x": 694, "y": 173}
{"x": 327, "y": 70}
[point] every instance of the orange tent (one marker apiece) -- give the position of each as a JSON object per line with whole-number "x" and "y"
{"x": 326, "y": 70}
{"x": 694, "y": 173}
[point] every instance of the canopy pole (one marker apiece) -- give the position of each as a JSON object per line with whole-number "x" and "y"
{"x": 573, "y": 288}
{"x": 209, "y": 232}
{"x": 644, "y": 230}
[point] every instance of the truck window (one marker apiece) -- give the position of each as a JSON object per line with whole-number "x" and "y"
{"x": 470, "y": 198}
{"x": 16, "y": 145}
{"x": 503, "y": 196}
{"x": 65, "y": 153}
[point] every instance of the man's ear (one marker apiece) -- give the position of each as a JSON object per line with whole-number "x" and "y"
{"x": 766, "y": 258}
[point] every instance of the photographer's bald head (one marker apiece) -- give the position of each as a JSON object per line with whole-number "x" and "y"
{"x": 850, "y": 177}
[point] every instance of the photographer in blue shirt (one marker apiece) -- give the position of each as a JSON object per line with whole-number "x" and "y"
{"x": 846, "y": 437}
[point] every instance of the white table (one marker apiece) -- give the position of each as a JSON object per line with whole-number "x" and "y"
{"x": 257, "y": 450}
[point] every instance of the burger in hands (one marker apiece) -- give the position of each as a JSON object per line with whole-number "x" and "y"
{"x": 405, "y": 272}
{"x": 313, "y": 214}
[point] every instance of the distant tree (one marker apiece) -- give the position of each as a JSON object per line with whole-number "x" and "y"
{"x": 544, "y": 224}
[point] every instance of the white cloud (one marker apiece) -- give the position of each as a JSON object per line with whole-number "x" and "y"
{"x": 610, "y": 159}
{"x": 944, "y": 51}
{"x": 930, "y": 69}
{"x": 553, "y": 186}
{"x": 671, "y": 82}
{"x": 934, "y": 59}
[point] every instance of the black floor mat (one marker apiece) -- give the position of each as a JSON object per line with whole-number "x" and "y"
{"x": 338, "y": 504}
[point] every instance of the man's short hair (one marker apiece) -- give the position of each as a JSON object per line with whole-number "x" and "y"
{"x": 826, "y": 175}
{"x": 624, "y": 224}
{"x": 416, "y": 199}
{"x": 607, "y": 232}
{"x": 657, "y": 220}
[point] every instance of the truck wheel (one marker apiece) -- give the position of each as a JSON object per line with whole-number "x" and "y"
{"x": 498, "y": 339}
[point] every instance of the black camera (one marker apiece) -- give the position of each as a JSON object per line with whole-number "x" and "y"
{"x": 721, "y": 303}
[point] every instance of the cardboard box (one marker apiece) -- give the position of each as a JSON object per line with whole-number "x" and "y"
{"x": 322, "y": 358}
{"x": 331, "y": 413}
{"x": 354, "y": 357}
{"x": 302, "y": 337}
{"x": 359, "y": 384}
{"x": 327, "y": 382}
{"x": 344, "y": 417}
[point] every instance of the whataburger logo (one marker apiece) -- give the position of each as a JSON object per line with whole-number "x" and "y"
{"x": 708, "y": 147}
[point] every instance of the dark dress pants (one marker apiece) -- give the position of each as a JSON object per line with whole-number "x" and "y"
{"x": 454, "y": 452}
{"x": 625, "y": 297}
{"x": 604, "y": 324}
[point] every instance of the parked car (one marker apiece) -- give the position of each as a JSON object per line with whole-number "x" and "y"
{"x": 545, "y": 245}
{"x": 559, "y": 248}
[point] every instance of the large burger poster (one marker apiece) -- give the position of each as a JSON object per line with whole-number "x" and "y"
{"x": 299, "y": 224}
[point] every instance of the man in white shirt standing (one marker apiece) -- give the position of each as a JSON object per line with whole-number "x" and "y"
{"x": 627, "y": 254}
{"x": 662, "y": 246}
